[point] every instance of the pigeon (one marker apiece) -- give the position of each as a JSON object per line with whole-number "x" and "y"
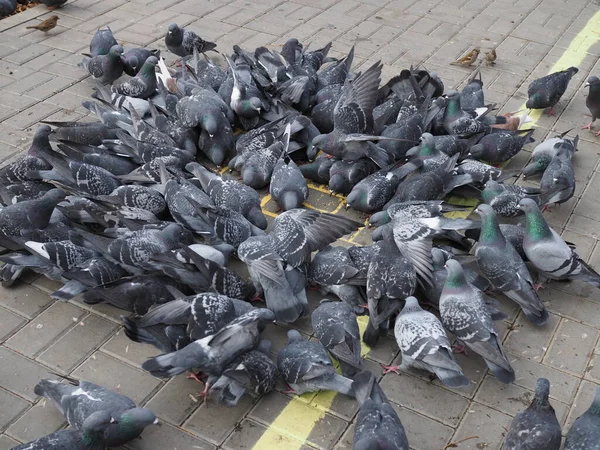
{"x": 585, "y": 431}
{"x": 182, "y": 42}
{"x": 465, "y": 315}
{"x": 252, "y": 372}
{"x": 377, "y": 423}
{"x": 16, "y": 171}
{"x": 536, "y": 428}
{"x": 500, "y": 146}
{"x": 459, "y": 122}
{"x": 424, "y": 345}
{"x": 543, "y": 153}
{"x": 505, "y": 198}
{"x": 336, "y": 329}
{"x": 558, "y": 181}
{"x": 545, "y": 92}
{"x": 333, "y": 266}
{"x": 345, "y": 175}
{"x": 90, "y": 437}
{"x": 501, "y": 264}
{"x": 105, "y": 68}
{"x": 514, "y": 234}
{"x": 212, "y": 354}
{"x": 471, "y": 96}
{"x": 288, "y": 187}
{"x": 7, "y": 7}
{"x": 306, "y": 367}
{"x": 133, "y": 59}
{"x": 549, "y": 253}
{"x": 593, "y": 101}
{"x": 77, "y": 400}
{"x": 143, "y": 85}
{"x": 102, "y": 42}
{"x": 477, "y": 168}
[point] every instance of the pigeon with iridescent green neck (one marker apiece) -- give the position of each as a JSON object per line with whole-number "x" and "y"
{"x": 465, "y": 315}
{"x": 501, "y": 264}
{"x": 545, "y": 92}
{"x": 459, "y": 122}
{"x": 427, "y": 152}
{"x": 585, "y": 431}
{"x": 536, "y": 428}
{"x": 505, "y": 198}
{"x": 105, "y": 68}
{"x": 143, "y": 85}
{"x": 543, "y": 153}
{"x": 558, "y": 182}
{"x": 549, "y": 253}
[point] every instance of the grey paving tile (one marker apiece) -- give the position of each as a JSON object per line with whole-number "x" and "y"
{"x": 10, "y": 323}
{"x": 582, "y": 402}
{"x": 572, "y": 347}
{"x": 423, "y": 432}
{"x": 12, "y": 407}
{"x": 484, "y": 426}
{"x": 123, "y": 348}
{"x": 40, "y": 420}
{"x": 529, "y": 341}
{"x": 167, "y": 437}
{"x": 24, "y": 300}
{"x": 31, "y": 115}
{"x": 176, "y": 400}
{"x": 248, "y": 433}
{"x": 19, "y": 374}
{"x": 7, "y": 443}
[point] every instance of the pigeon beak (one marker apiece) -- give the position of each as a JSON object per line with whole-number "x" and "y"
{"x": 112, "y": 420}
{"x": 156, "y": 422}
{"x": 347, "y": 206}
{"x": 586, "y": 85}
{"x": 211, "y": 135}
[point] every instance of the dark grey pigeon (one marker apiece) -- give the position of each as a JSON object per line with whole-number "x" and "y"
{"x": 345, "y": 175}
{"x": 585, "y": 431}
{"x": 136, "y": 196}
{"x": 459, "y": 122}
{"x": 545, "y": 92}
{"x": 501, "y": 264}
{"x": 183, "y": 43}
{"x": 102, "y": 42}
{"x": 306, "y": 367}
{"x": 133, "y": 59}
{"x": 212, "y": 354}
{"x": 505, "y": 198}
{"x": 318, "y": 170}
{"x": 544, "y": 152}
{"x": 424, "y": 345}
{"x": 426, "y": 151}
{"x": 471, "y": 96}
{"x": 143, "y": 85}
{"x": 377, "y": 423}
{"x": 16, "y": 171}
{"x": 90, "y": 437}
{"x": 558, "y": 181}
{"x": 593, "y": 100}
{"x": 253, "y": 373}
{"x": 421, "y": 209}
{"x": 355, "y": 296}
{"x": 87, "y": 133}
{"x": 77, "y": 400}
{"x": 500, "y": 146}
{"x": 105, "y": 68}
{"x": 465, "y": 315}
{"x": 549, "y": 253}
{"x": 333, "y": 266}
{"x": 288, "y": 187}
{"x": 336, "y": 328}
{"x": 537, "y": 428}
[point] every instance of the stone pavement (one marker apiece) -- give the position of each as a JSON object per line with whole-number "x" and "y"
{"x": 39, "y": 80}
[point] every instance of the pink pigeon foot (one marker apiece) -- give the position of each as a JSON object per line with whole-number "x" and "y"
{"x": 588, "y": 126}
{"x": 388, "y": 369}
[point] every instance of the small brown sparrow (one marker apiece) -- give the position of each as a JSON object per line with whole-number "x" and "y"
{"x": 468, "y": 59}
{"x": 490, "y": 57}
{"x": 46, "y": 25}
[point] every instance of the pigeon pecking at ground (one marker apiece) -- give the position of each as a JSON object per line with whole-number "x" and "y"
{"x": 545, "y": 92}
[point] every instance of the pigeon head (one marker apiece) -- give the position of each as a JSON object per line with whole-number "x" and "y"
{"x": 209, "y": 123}
{"x": 249, "y": 108}
{"x": 149, "y": 67}
{"x": 563, "y": 152}
{"x": 438, "y": 258}
{"x": 485, "y": 211}
{"x": 174, "y": 233}
{"x": 132, "y": 61}
{"x": 294, "y": 336}
{"x": 493, "y": 186}
{"x": 379, "y": 218}
{"x": 542, "y": 391}
{"x": 453, "y": 103}
{"x": 264, "y": 346}
{"x": 323, "y": 141}
{"x": 426, "y": 147}
{"x": 256, "y": 217}
{"x": 537, "y": 166}
{"x": 534, "y": 101}
{"x": 456, "y": 275}
{"x": 137, "y": 417}
{"x": 174, "y": 30}
{"x": 40, "y": 138}
{"x": 478, "y": 150}
{"x": 115, "y": 51}
{"x": 356, "y": 198}
{"x": 593, "y": 83}
{"x": 411, "y": 304}
{"x": 527, "y": 205}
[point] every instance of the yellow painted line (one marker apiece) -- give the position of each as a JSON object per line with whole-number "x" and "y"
{"x": 296, "y": 421}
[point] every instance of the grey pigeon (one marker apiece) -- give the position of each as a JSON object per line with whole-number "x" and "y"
{"x": 306, "y": 367}
{"x": 505, "y": 198}
{"x": 489, "y": 172}
{"x": 585, "y": 431}
{"x": 377, "y": 423}
{"x": 536, "y": 428}
{"x": 105, "y": 68}
{"x": 558, "y": 181}
{"x": 336, "y": 328}
{"x": 500, "y": 146}
{"x": 90, "y": 437}
{"x": 102, "y": 42}
{"x": 143, "y": 85}
{"x": 459, "y": 122}
{"x": 423, "y": 209}
{"x": 17, "y": 170}
{"x": 333, "y": 266}
{"x": 212, "y": 354}
{"x": 7, "y": 7}
{"x": 593, "y": 100}
{"x": 136, "y": 196}
{"x": 77, "y": 400}
{"x": 513, "y": 234}
{"x": 427, "y": 152}
{"x": 424, "y": 345}
{"x": 545, "y": 92}
{"x": 549, "y": 253}
{"x": 133, "y": 59}
{"x": 471, "y": 97}
{"x": 543, "y": 153}
{"x": 288, "y": 187}
{"x": 345, "y": 175}
{"x": 501, "y": 264}
{"x": 183, "y": 42}
{"x": 252, "y": 372}
{"x": 465, "y": 315}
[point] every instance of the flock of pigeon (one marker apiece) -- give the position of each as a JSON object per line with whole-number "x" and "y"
{"x": 122, "y": 212}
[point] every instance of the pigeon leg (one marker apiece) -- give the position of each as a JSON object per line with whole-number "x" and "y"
{"x": 204, "y": 393}
{"x": 289, "y": 390}
{"x": 458, "y": 347}
{"x": 197, "y": 376}
{"x": 365, "y": 306}
{"x": 588, "y": 126}
{"x": 388, "y": 369}
{"x": 257, "y": 298}
{"x": 551, "y": 111}
{"x": 598, "y": 134}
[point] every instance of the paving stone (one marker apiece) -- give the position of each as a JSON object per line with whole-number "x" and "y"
{"x": 123, "y": 348}
{"x": 582, "y": 402}
{"x": 51, "y": 87}
{"x": 28, "y": 53}
{"x": 167, "y": 437}
{"x": 45, "y": 328}
{"x": 572, "y": 347}
{"x": 530, "y": 341}
{"x": 12, "y": 407}
{"x": 32, "y": 115}
{"x": 485, "y": 424}
{"x": 248, "y": 433}
{"x": 24, "y": 299}
{"x": 69, "y": 41}
{"x": 572, "y": 306}
{"x": 120, "y": 377}
{"x": 425, "y": 398}
{"x": 40, "y": 420}
{"x": 7, "y": 443}
{"x": 592, "y": 371}
{"x": 10, "y": 323}
{"x": 176, "y": 400}
{"x": 25, "y": 84}
{"x": 213, "y": 423}
{"x": 77, "y": 343}
{"x": 19, "y": 374}
{"x": 423, "y": 432}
